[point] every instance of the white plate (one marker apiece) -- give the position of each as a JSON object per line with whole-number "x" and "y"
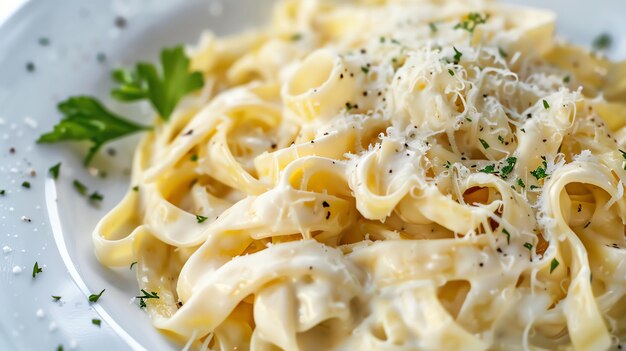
{"x": 59, "y": 234}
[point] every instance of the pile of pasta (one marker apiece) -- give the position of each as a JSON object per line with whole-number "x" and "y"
{"x": 385, "y": 175}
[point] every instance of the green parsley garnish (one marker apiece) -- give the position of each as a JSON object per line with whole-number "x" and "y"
{"x": 433, "y": 27}
{"x": 2, "y": 192}
{"x": 602, "y": 42}
{"x": 450, "y": 72}
{"x": 96, "y": 322}
{"x": 483, "y": 143}
{"x": 502, "y": 52}
{"x": 132, "y": 264}
{"x": 36, "y": 269}
{"x": 510, "y": 164}
{"x": 94, "y": 297}
{"x": 540, "y": 172}
{"x": 457, "y": 56}
{"x": 622, "y": 152}
{"x": 508, "y": 236}
{"x": 447, "y": 165}
{"x": 533, "y": 187}
{"x": 521, "y": 183}
{"x": 60, "y": 348}
{"x": 80, "y": 187}
{"x": 26, "y": 185}
{"x": 96, "y": 197}
{"x": 501, "y": 139}
{"x": 54, "y": 170}
{"x": 56, "y": 298}
{"x": 194, "y": 158}
{"x": 566, "y": 79}
{"x": 553, "y": 265}
{"x": 136, "y": 188}
{"x": 365, "y": 69}
{"x": 546, "y": 105}
{"x": 201, "y": 219}
{"x": 471, "y": 21}
{"x": 296, "y": 37}
{"x": 488, "y": 169}
{"x": 146, "y": 295}
{"x": 164, "y": 92}
{"x": 529, "y": 246}
{"x": 85, "y": 118}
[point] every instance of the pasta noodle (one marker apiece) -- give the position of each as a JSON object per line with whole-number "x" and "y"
{"x": 388, "y": 175}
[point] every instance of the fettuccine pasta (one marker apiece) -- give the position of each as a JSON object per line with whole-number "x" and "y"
{"x": 385, "y": 175}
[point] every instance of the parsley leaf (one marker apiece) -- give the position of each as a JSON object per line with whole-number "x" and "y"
{"x": 132, "y": 264}
{"x": 365, "y": 69}
{"x": 553, "y": 265}
{"x": 96, "y": 297}
{"x": 433, "y": 27}
{"x": 201, "y": 219}
{"x": 510, "y": 164}
{"x": 529, "y": 246}
{"x": 164, "y": 91}
{"x": 96, "y": 322}
{"x": 36, "y": 269}
{"x": 521, "y": 183}
{"x": 624, "y": 157}
{"x": 56, "y": 298}
{"x": 87, "y": 119}
{"x": 546, "y": 105}
{"x": 471, "y": 21}
{"x": 54, "y": 170}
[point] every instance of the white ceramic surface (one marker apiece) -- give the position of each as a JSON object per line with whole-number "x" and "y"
{"x": 58, "y": 236}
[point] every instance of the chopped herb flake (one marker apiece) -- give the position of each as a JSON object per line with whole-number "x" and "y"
{"x": 506, "y": 170}
{"x": 433, "y": 27}
{"x": 194, "y": 158}
{"x": 508, "y": 236}
{"x": 80, "y": 187}
{"x": 132, "y": 264}
{"x": 483, "y": 143}
{"x": 26, "y": 185}
{"x": 502, "y": 52}
{"x": 602, "y": 42}
{"x": 553, "y": 265}
{"x": 471, "y": 21}
{"x": 521, "y": 183}
{"x": 488, "y": 169}
{"x": 54, "y": 170}
{"x": 457, "y": 56}
{"x": 201, "y": 219}
{"x": 451, "y": 72}
{"x": 296, "y": 37}
{"x": 96, "y": 322}
{"x": 529, "y": 246}
{"x": 566, "y": 79}
{"x": 546, "y": 105}
{"x": 96, "y": 297}
{"x": 96, "y": 197}
{"x": 56, "y": 298}
{"x": 501, "y": 139}
{"x": 365, "y": 69}
{"x": 36, "y": 269}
